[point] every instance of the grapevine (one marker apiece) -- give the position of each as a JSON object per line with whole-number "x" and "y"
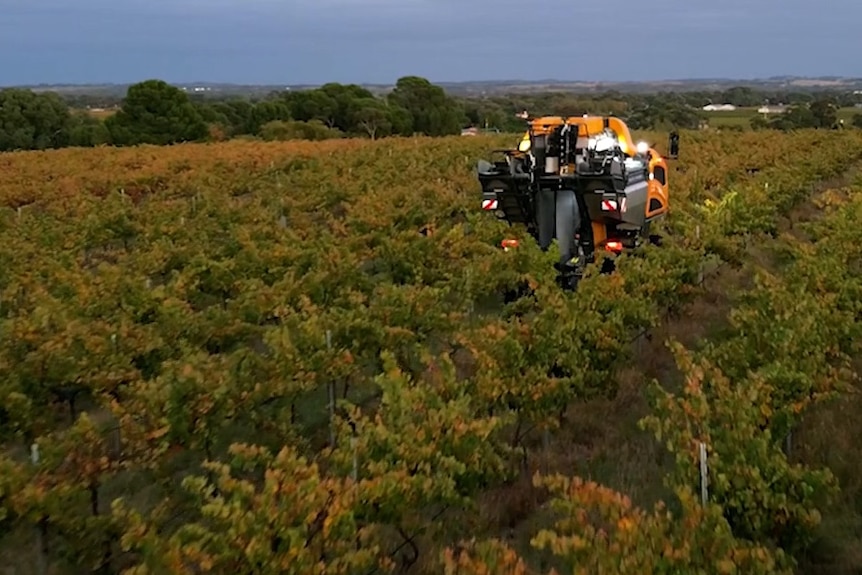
{"x": 247, "y": 319}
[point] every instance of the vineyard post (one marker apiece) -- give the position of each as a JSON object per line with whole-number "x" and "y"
{"x": 41, "y": 567}
{"x": 704, "y": 474}
{"x": 331, "y": 386}
{"x": 702, "y": 263}
{"x": 471, "y": 304}
{"x": 546, "y": 444}
{"x": 355, "y": 459}
{"x": 355, "y": 473}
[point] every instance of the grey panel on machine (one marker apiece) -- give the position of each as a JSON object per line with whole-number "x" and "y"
{"x": 636, "y": 199}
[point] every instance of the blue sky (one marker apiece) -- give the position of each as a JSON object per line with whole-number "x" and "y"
{"x": 315, "y": 41}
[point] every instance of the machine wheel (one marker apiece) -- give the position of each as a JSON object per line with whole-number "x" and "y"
{"x": 653, "y": 239}
{"x": 568, "y": 223}
{"x": 545, "y": 213}
{"x": 558, "y": 216}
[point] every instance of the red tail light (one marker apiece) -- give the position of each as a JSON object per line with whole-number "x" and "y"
{"x": 508, "y": 244}
{"x": 614, "y": 246}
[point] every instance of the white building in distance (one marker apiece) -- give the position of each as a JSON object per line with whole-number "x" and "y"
{"x": 719, "y": 108}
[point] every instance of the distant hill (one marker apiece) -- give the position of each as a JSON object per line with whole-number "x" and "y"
{"x": 783, "y": 83}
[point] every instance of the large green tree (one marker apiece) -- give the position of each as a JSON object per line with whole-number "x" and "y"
{"x": 235, "y": 116}
{"x": 84, "y": 130}
{"x": 349, "y": 108}
{"x": 30, "y": 120}
{"x": 825, "y": 112}
{"x": 154, "y": 112}
{"x": 433, "y": 112}
{"x": 307, "y": 105}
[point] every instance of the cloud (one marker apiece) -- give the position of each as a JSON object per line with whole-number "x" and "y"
{"x": 297, "y": 41}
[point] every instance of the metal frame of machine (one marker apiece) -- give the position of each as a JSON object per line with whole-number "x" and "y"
{"x": 581, "y": 180}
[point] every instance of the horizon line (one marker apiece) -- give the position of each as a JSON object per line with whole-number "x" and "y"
{"x": 777, "y": 78}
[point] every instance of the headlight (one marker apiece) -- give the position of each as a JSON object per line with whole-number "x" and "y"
{"x": 642, "y": 148}
{"x": 524, "y": 145}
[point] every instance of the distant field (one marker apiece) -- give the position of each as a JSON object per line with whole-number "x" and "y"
{"x": 743, "y": 116}
{"x": 101, "y": 113}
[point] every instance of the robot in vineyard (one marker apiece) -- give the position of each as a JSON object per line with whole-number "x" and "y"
{"x": 581, "y": 180}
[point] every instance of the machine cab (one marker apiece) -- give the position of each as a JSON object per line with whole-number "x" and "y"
{"x": 596, "y": 133}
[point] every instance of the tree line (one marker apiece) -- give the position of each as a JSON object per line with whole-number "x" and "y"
{"x": 155, "y": 112}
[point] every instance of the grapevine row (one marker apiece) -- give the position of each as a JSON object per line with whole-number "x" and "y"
{"x": 789, "y": 344}
{"x": 201, "y": 307}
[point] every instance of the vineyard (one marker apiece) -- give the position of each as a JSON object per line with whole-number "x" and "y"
{"x": 297, "y": 358}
